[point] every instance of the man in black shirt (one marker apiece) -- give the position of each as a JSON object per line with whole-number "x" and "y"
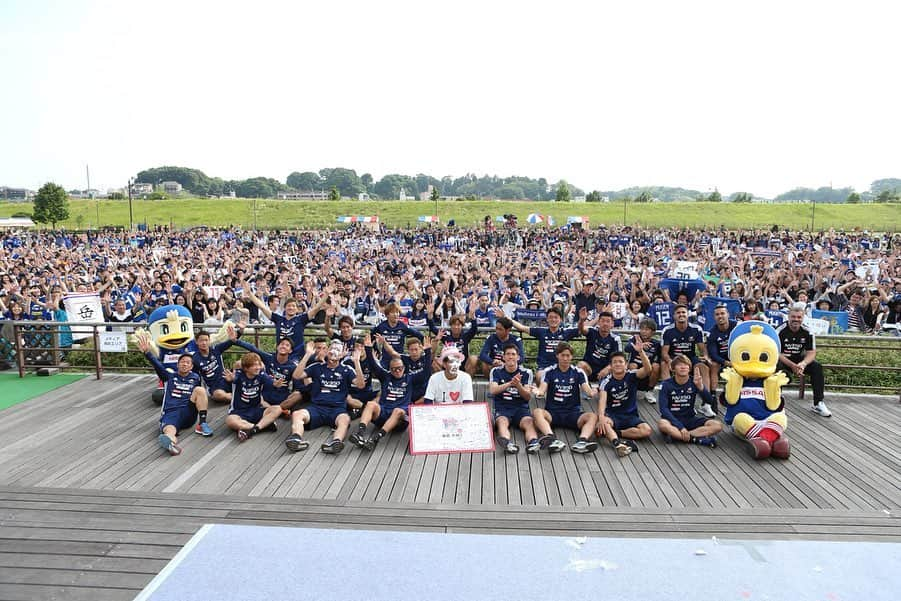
{"x": 798, "y": 356}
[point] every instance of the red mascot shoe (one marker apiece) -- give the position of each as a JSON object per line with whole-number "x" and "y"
{"x": 781, "y": 448}
{"x": 760, "y": 448}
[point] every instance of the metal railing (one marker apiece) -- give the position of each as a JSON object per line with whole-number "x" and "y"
{"x": 37, "y": 344}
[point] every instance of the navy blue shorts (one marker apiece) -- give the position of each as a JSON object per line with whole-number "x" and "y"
{"x": 595, "y": 369}
{"x": 566, "y": 419}
{"x": 385, "y": 413}
{"x": 323, "y": 416}
{"x": 624, "y": 421}
{"x": 182, "y": 418}
{"x": 250, "y": 414}
{"x": 364, "y": 396}
{"x": 514, "y": 414}
{"x": 220, "y": 384}
{"x": 695, "y": 422}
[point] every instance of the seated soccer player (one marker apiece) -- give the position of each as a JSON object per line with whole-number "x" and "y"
{"x": 678, "y": 420}
{"x": 618, "y": 419}
{"x": 563, "y": 387}
{"x": 389, "y": 412}
{"x": 184, "y": 399}
{"x": 249, "y": 411}
{"x": 511, "y": 387}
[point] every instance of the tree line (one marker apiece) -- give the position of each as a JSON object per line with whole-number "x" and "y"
{"x": 340, "y": 182}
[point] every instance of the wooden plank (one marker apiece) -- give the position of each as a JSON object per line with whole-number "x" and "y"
{"x": 31, "y": 592}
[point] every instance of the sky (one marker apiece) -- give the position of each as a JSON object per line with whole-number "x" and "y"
{"x": 759, "y": 96}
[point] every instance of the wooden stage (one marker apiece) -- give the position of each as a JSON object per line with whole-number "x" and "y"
{"x": 92, "y": 508}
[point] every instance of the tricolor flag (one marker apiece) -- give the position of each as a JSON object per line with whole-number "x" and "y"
{"x": 428, "y": 218}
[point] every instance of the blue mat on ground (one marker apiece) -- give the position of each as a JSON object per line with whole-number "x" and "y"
{"x": 249, "y": 563}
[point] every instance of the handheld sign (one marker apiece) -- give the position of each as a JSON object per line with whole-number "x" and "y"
{"x": 457, "y": 428}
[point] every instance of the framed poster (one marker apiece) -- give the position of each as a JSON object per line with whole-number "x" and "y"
{"x": 451, "y": 428}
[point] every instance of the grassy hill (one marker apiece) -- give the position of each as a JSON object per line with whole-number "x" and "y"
{"x": 321, "y": 214}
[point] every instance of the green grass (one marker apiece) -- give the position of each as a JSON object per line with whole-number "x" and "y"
{"x": 270, "y": 214}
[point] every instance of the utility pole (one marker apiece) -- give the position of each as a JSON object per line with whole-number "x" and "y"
{"x": 131, "y": 216}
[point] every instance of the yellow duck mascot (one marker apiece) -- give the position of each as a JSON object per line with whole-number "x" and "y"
{"x": 753, "y": 392}
{"x": 170, "y": 332}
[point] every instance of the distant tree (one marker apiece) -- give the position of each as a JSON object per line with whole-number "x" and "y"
{"x": 593, "y": 196}
{"x": 51, "y": 205}
{"x": 334, "y": 194}
{"x": 256, "y": 187}
{"x": 157, "y": 196}
{"x": 853, "y": 198}
{"x": 887, "y": 196}
{"x": 644, "y": 196}
{"x": 366, "y": 180}
{"x": 715, "y": 196}
{"x": 304, "y": 181}
{"x": 116, "y": 196}
{"x": 563, "y": 194}
{"x": 346, "y": 180}
{"x": 435, "y": 195}
{"x": 741, "y": 197}
{"x": 890, "y": 183}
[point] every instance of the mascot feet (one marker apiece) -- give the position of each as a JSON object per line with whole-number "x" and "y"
{"x": 760, "y": 448}
{"x": 781, "y": 448}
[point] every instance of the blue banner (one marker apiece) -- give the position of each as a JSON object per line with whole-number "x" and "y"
{"x": 838, "y": 320}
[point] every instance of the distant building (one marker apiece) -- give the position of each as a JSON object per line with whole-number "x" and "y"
{"x": 302, "y": 195}
{"x": 139, "y": 188}
{"x": 362, "y": 196}
{"x": 15, "y": 194}
{"x": 90, "y": 193}
{"x": 579, "y": 198}
{"x": 427, "y": 195}
{"x": 171, "y": 187}
{"x": 10, "y": 223}
{"x": 402, "y": 195}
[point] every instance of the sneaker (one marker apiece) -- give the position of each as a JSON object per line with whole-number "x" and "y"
{"x": 167, "y": 445}
{"x": 632, "y": 445}
{"x": 511, "y": 448}
{"x": 355, "y": 413}
{"x": 706, "y": 441}
{"x": 295, "y": 442}
{"x": 584, "y": 446}
{"x": 707, "y": 410}
{"x": 821, "y": 409}
{"x": 242, "y": 435}
{"x": 358, "y": 438}
{"x": 372, "y": 442}
{"x": 546, "y": 440}
{"x": 667, "y": 439}
{"x": 332, "y": 447}
{"x": 203, "y": 429}
{"x": 556, "y": 446}
{"x": 650, "y": 398}
{"x": 622, "y": 449}
{"x": 533, "y": 446}
{"x": 273, "y": 427}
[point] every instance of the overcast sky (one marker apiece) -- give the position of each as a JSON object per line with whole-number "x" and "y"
{"x": 755, "y": 96}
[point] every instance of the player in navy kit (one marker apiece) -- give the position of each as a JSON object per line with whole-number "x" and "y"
{"x": 250, "y": 412}
{"x": 678, "y": 420}
{"x": 184, "y": 399}
{"x": 389, "y": 412}
{"x": 280, "y": 367}
{"x": 207, "y": 362}
{"x": 460, "y": 339}
{"x": 394, "y": 331}
{"x": 418, "y": 363}
{"x": 331, "y": 385}
{"x": 618, "y": 419}
{"x": 718, "y": 346}
{"x": 548, "y": 338}
{"x": 511, "y": 387}
{"x": 292, "y": 323}
{"x": 646, "y": 385}
{"x": 563, "y": 387}
{"x": 600, "y": 344}
{"x": 683, "y": 338}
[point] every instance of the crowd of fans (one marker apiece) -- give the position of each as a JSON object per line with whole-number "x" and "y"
{"x": 434, "y": 274}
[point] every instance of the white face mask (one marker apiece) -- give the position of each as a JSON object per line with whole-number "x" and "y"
{"x": 453, "y": 366}
{"x": 335, "y": 352}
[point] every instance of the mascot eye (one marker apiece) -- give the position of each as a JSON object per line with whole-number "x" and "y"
{"x": 164, "y": 329}
{"x": 184, "y": 327}
{"x": 764, "y": 357}
{"x": 745, "y": 356}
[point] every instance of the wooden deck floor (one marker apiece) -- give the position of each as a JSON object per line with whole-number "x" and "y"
{"x": 91, "y": 508}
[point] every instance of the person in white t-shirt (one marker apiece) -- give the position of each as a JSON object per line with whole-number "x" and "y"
{"x": 451, "y": 385}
